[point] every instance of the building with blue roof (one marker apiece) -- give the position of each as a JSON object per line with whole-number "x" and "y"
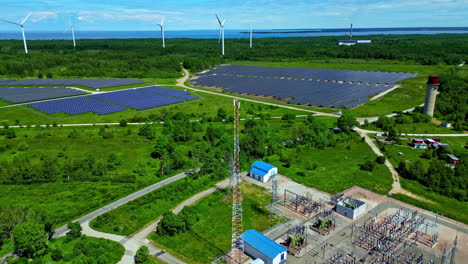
{"x": 262, "y": 171}
{"x": 258, "y": 246}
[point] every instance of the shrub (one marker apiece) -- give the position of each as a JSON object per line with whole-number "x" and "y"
{"x": 75, "y": 230}
{"x": 380, "y": 159}
{"x": 56, "y": 254}
{"x": 367, "y": 166}
{"x": 123, "y": 123}
{"x": 142, "y": 255}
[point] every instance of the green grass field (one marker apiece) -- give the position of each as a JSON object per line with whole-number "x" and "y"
{"x": 62, "y": 201}
{"x": 448, "y": 207}
{"x": 210, "y": 236}
{"x": 419, "y": 128}
{"x": 207, "y": 103}
{"x": 4, "y": 103}
{"x": 337, "y": 168}
{"x": 81, "y": 250}
{"x": 133, "y": 216}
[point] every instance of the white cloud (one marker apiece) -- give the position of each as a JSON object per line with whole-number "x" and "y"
{"x": 144, "y": 15}
{"x": 43, "y": 15}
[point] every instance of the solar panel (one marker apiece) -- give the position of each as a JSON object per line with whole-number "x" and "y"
{"x": 28, "y": 94}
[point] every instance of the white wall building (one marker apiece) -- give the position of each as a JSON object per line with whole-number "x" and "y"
{"x": 262, "y": 171}
{"x": 258, "y": 246}
{"x": 351, "y": 207}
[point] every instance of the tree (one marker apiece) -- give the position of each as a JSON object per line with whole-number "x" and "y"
{"x": 367, "y": 166}
{"x": 347, "y": 122}
{"x": 142, "y": 255}
{"x": 123, "y": 123}
{"x": 222, "y": 113}
{"x": 30, "y": 239}
{"x": 56, "y": 254}
{"x": 380, "y": 159}
{"x": 10, "y": 133}
{"x": 146, "y": 131}
{"x": 40, "y": 75}
{"x": 49, "y": 75}
{"x": 75, "y": 230}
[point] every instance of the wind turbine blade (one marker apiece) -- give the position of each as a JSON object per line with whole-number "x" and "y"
{"x": 162, "y": 21}
{"x": 219, "y": 20}
{"x": 10, "y": 22}
{"x": 222, "y": 24}
{"x": 26, "y": 18}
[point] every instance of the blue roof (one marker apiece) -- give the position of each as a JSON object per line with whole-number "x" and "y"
{"x": 262, "y": 243}
{"x": 259, "y": 172}
{"x": 263, "y": 165}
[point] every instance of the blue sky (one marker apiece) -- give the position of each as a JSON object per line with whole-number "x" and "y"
{"x": 262, "y": 14}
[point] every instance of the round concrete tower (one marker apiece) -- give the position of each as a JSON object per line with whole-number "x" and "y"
{"x": 431, "y": 94}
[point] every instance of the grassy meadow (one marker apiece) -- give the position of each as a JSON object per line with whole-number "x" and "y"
{"x": 210, "y": 236}
{"x": 335, "y": 169}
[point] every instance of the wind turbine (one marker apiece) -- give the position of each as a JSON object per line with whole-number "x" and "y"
{"x": 22, "y": 29}
{"x": 72, "y": 28}
{"x": 162, "y": 32}
{"x": 250, "y": 36}
{"x": 221, "y": 32}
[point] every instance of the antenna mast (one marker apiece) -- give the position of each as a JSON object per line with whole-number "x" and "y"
{"x": 237, "y": 245}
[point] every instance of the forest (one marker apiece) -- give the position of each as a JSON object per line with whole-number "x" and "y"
{"x": 139, "y": 58}
{"x": 452, "y": 102}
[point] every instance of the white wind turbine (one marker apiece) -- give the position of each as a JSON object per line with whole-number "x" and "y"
{"x": 162, "y": 32}
{"x": 72, "y": 28}
{"x": 250, "y": 36}
{"x": 22, "y": 29}
{"x": 221, "y": 32}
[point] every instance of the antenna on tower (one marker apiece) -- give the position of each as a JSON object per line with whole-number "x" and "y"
{"x": 237, "y": 244}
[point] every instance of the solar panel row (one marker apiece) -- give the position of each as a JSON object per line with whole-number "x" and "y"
{"x": 76, "y": 105}
{"x": 28, "y": 94}
{"x": 309, "y": 73}
{"x": 358, "y": 102}
{"x": 169, "y": 92}
{"x": 91, "y": 83}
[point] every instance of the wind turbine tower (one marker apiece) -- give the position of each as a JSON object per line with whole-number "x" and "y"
{"x": 72, "y": 28}
{"x": 351, "y": 32}
{"x": 22, "y": 30}
{"x": 162, "y": 32}
{"x": 221, "y": 33}
{"x": 250, "y": 36}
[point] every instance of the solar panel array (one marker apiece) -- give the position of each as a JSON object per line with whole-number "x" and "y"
{"x": 169, "y": 92}
{"x": 77, "y": 105}
{"x": 136, "y": 99}
{"x": 309, "y": 73}
{"x": 28, "y": 94}
{"x": 91, "y": 83}
{"x": 111, "y": 102}
{"x": 335, "y": 88}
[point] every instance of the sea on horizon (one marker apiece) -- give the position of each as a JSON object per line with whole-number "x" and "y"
{"x": 232, "y": 33}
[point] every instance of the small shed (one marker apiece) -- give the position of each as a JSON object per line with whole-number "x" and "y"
{"x": 446, "y": 124}
{"x": 419, "y": 143}
{"x": 351, "y": 207}
{"x": 258, "y": 246}
{"x": 452, "y": 159}
{"x": 262, "y": 171}
{"x": 430, "y": 141}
